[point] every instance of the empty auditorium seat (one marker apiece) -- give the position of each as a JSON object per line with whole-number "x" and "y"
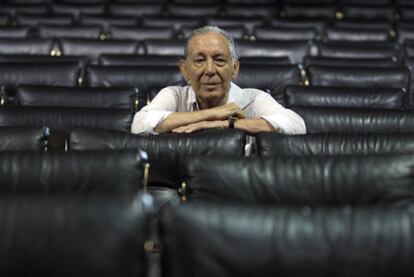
{"x": 359, "y": 12}
{"x": 32, "y": 46}
{"x": 358, "y": 50}
{"x": 318, "y": 24}
{"x": 149, "y": 80}
{"x": 309, "y": 11}
{"x": 224, "y": 240}
{"x": 295, "y": 50}
{"x": 362, "y": 25}
{"x": 249, "y": 23}
{"x": 270, "y": 78}
{"x": 73, "y": 235}
{"x": 277, "y": 145}
{"x": 76, "y": 10}
{"x": 332, "y": 61}
{"x": 164, "y": 47}
{"x": 369, "y": 77}
{"x": 251, "y": 10}
{"x": 357, "y": 35}
{"x": 93, "y": 97}
{"x": 23, "y": 138}
{"x": 135, "y": 9}
{"x": 107, "y": 21}
{"x": 192, "y": 10}
{"x": 352, "y": 120}
{"x": 264, "y": 60}
{"x": 95, "y": 47}
{"x": 313, "y": 181}
{"x": 14, "y": 9}
{"x": 114, "y": 59}
{"x": 52, "y": 31}
{"x": 167, "y": 152}
{"x": 49, "y": 19}
{"x": 65, "y": 118}
{"x": 357, "y": 97}
{"x": 176, "y": 22}
{"x": 14, "y": 32}
{"x": 141, "y": 33}
{"x": 92, "y": 172}
{"x": 283, "y": 33}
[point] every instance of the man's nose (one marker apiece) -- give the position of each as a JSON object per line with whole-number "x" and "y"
{"x": 210, "y": 68}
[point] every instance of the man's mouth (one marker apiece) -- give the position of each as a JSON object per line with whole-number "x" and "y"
{"x": 210, "y": 86}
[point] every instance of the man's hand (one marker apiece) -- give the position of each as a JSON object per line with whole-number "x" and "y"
{"x": 201, "y": 125}
{"x": 225, "y": 111}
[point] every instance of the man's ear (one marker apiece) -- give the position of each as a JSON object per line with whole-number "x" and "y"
{"x": 236, "y": 67}
{"x": 183, "y": 69}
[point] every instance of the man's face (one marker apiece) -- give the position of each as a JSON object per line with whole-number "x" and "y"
{"x": 210, "y": 68}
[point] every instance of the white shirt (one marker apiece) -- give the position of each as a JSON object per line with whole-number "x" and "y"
{"x": 183, "y": 99}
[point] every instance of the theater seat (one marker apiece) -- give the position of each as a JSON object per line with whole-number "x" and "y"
{"x": 359, "y": 50}
{"x": 75, "y": 10}
{"x": 332, "y": 61}
{"x": 277, "y": 145}
{"x": 23, "y": 138}
{"x": 176, "y": 22}
{"x": 134, "y": 9}
{"x": 140, "y": 60}
{"x": 367, "y": 98}
{"x": 235, "y": 240}
{"x": 351, "y": 120}
{"x": 358, "y": 35}
{"x": 52, "y": 31}
{"x": 361, "y": 12}
{"x": 167, "y": 47}
{"x": 141, "y": 33}
{"x": 34, "y": 20}
{"x": 28, "y": 46}
{"x": 303, "y": 10}
{"x": 192, "y": 10}
{"x": 283, "y": 33}
{"x": 13, "y": 32}
{"x": 72, "y": 235}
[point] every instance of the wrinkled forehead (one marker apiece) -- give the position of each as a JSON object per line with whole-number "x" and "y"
{"x": 213, "y": 42}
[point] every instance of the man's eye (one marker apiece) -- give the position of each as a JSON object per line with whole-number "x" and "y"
{"x": 220, "y": 61}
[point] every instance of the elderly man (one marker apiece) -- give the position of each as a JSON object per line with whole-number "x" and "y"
{"x": 212, "y": 100}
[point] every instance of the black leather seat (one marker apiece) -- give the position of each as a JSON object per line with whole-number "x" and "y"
{"x": 140, "y": 60}
{"x": 276, "y": 145}
{"x": 23, "y": 138}
{"x": 270, "y": 78}
{"x": 254, "y": 10}
{"x": 357, "y": 35}
{"x": 314, "y": 181}
{"x": 14, "y": 32}
{"x": 223, "y": 240}
{"x": 53, "y": 31}
{"x": 167, "y": 47}
{"x": 176, "y": 22}
{"x": 167, "y": 153}
{"x": 141, "y": 33}
{"x": 326, "y": 11}
{"x": 34, "y": 20}
{"x": 249, "y": 23}
{"x": 75, "y": 10}
{"x": 367, "y": 98}
{"x": 264, "y": 60}
{"x": 296, "y": 50}
{"x": 318, "y": 24}
{"x": 106, "y": 21}
{"x": 236, "y": 32}
{"x": 14, "y": 9}
{"x": 359, "y": 50}
{"x": 72, "y": 235}
{"x": 359, "y": 12}
{"x": 192, "y": 10}
{"x": 351, "y": 120}
{"x": 135, "y": 9}
{"x": 283, "y": 33}
{"x": 82, "y": 97}
{"x": 148, "y": 80}
{"x": 358, "y": 62}
{"x": 28, "y": 46}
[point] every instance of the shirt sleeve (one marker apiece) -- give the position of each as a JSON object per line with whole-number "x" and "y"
{"x": 148, "y": 118}
{"x": 286, "y": 120}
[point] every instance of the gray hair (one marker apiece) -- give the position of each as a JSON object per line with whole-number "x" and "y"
{"x": 217, "y": 30}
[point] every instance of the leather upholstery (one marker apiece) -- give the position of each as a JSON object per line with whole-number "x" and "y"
{"x": 368, "y": 98}
{"x": 166, "y": 152}
{"x": 176, "y": 22}
{"x": 318, "y": 24}
{"x": 106, "y": 21}
{"x": 141, "y": 33}
{"x": 72, "y": 236}
{"x": 358, "y": 50}
{"x": 32, "y": 46}
{"x": 34, "y": 20}
{"x": 311, "y": 180}
{"x": 280, "y": 33}
{"x": 346, "y": 34}
{"x": 76, "y": 10}
{"x": 218, "y": 240}
{"x": 309, "y": 11}
{"x": 370, "y": 62}
{"x": 14, "y": 9}
{"x": 192, "y": 10}
{"x": 236, "y": 32}
{"x": 164, "y": 47}
{"x": 66, "y": 117}
{"x": 51, "y": 31}
{"x": 270, "y": 78}
{"x": 23, "y": 138}
{"x": 249, "y": 23}
{"x": 257, "y": 10}
{"x": 93, "y": 97}
{"x": 14, "y": 32}
{"x": 276, "y": 145}
{"x": 350, "y": 120}
{"x": 134, "y": 9}
{"x": 141, "y": 60}
{"x": 92, "y": 172}
{"x": 354, "y": 12}
{"x": 264, "y": 60}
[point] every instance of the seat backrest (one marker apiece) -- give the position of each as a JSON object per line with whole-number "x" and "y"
{"x": 276, "y": 145}
{"x": 31, "y": 46}
{"x": 332, "y": 61}
{"x": 72, "y": 235}
{"x": 106, "y": 21}
{"x": 86, "y": 97}
{"x": 192, "y": 10}
{"x": 140, "y": 60}
{"x": 296, "y": 50}
{"x": 76, "y": 10}
{"x": 249, "y": 23}
{"x": 223, "y": 240}
{"x": 176, "y": 22}
{"x": 359, "y": 50}
{"x": 351, "y": 120}
{"x": 65, "y": 118}
{"x": 270, "y": 78}
{"x": 318, "y": 24}
{"x": 33, "y": 9}
{"x": 358, "y": 12}
{"x": 309, "y": 11}
{"x": 367, "y": 98}
{"x": 280, "y": 33}
{"x": 236, "y": 32}
{"x": 167, "y": 47}
{"x": 141, "y": 33}
{"x": 368, "y": 77}
{"x": 251, "y": 10}
{"x": 134, "y": 9}
{"x": 301, "y": 181}
{"x": 94, "y": 172}
{"x": 52, "y": 31}
{"x": 13, "y": 32}
{"x": 168, "y": 152}
{"x": 349, "y": 34}
{"x": 264, "y": 60}
{"x": 23, "y": 139}
{"x": 34, "y": 20}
